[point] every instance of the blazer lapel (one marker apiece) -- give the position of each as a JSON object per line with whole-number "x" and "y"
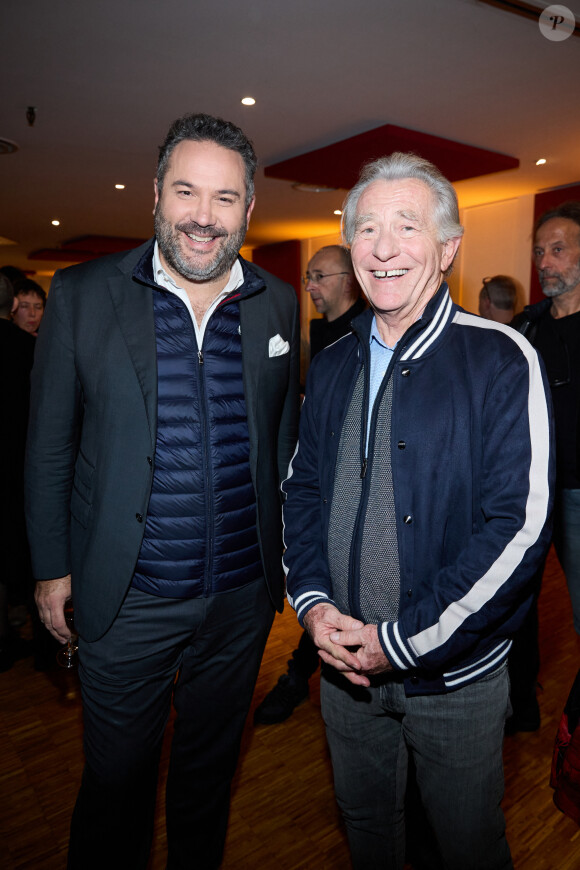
{"x": 254, "y": 328}
{"x": 133, "y": 303}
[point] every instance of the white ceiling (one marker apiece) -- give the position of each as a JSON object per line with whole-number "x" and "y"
{"x": 108, "y": 78}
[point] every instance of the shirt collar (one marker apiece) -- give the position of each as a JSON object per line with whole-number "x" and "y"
{"x": 165, "y": 280}
{"x": 375, "y": 336}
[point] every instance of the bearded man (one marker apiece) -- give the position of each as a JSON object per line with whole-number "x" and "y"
{"x": 553, "y": 327}
{"x": 164, "y": 414}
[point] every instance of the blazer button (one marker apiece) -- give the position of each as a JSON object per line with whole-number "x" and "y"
{"x": 410, "y": 593}
{"x": 139, "y": 518}
{"x": 414, "y": 680}
{"x": 401, "y": 445}
{"x": 406, "y": 372}
{"x": 407, "y": 519}
{"x": 149, "y": 460}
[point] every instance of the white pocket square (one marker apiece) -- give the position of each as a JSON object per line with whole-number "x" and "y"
{"x": 277, "y": 346}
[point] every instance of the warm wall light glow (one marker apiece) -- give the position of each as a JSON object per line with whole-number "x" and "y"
{"x": 248, "y": 101}
{"x": 541, "y": 161}
{"x": 55, "y": 223}
{"x": 119, "y": 187}
{"x": 337, "y": 211}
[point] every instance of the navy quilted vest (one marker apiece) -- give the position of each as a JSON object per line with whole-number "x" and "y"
{"x": 200, "y": 535}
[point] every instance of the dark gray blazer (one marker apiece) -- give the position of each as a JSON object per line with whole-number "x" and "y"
{"x": 92, "y": 432}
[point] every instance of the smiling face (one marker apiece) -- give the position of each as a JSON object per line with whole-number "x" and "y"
{"x": 29, "y": 312}
{"x": 200, "y": 214}
{"x": 396, "y": 253}
{"x": 557, "y": 256}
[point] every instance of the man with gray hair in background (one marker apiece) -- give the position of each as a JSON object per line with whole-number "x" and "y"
{"x": 417, "y": 511}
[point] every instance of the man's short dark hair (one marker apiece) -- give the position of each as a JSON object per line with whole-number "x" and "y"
{"x": 13, "y": 273}
{"x": 27, "y": 285}
{"x": 501, "y": 291}
{"x": 569, "y": 210}
{"x": 6, "y": 295}
{"x": 206, "y": 128}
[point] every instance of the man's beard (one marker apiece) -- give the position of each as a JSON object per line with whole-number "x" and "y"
{"x": 558, "y": 286}
{"x": 215, "y": 267}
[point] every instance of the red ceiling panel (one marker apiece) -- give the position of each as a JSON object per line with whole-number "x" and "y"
{"x": 339, "y": 164}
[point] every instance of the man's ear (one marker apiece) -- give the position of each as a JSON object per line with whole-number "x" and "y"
{"x": 250, "y": 210}
{"x": 156, "y": 192}
{"x": 448, "y": 252}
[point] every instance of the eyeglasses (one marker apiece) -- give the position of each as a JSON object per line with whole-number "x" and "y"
{"x": 317, "y": 277}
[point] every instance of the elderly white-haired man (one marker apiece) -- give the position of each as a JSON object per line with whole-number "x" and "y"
{"x": 418, "y": 505}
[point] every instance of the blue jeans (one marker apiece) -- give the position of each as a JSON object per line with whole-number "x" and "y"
{"x": 456, "y": 745}
{"x": 566, "y": 539}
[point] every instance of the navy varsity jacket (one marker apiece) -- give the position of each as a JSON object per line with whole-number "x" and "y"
{"x": 473, "y": 468}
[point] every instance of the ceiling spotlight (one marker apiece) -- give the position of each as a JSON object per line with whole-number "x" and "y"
{"x": 337, "y": 211}
{"x": 541, "y": 161}
{"x": 55, "y": 223}
{"x": 248, "y": 101}
{"x": 312, "y": 188}
{"x": 119, "y": 187}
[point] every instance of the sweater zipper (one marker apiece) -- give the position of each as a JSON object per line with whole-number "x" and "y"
{"x": 366, "y": 451}
{"x": 209, "y": 500}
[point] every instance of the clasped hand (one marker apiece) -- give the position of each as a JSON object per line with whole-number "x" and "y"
{"x": 346, "y": 643}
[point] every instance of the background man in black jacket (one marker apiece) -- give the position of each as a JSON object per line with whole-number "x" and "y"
{"x": 336, "y": 295}
{"x": 553, "y": 327}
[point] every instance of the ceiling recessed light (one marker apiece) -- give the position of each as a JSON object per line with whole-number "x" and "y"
{"x": 55, "y": 223}
{"x": 312, "y": 188}
{"x": 248, "y": 101}
{"x": 337, "y": 211}
{"x": 541, "y": 161}
{"x": 119, "y": 187}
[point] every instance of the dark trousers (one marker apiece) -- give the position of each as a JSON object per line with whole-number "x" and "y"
{"x": 524, "y": 656}
{"x": 455, "y": 741}
{"x": 205, "y": 653}
{"x": 305, "y": 660}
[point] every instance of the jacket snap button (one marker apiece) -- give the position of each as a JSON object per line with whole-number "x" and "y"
{"x": 139, "y": 518}
{"x": 409, "y": 592}
{"x": 406, "y": 372}
{"x": 407, "y": 519}
{"x": 401, "y": 445}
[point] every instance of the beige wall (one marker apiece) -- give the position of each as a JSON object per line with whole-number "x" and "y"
{"x": 497, "y": 241}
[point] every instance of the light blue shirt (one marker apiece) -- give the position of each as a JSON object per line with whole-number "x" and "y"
{"x": 380, "y": 358}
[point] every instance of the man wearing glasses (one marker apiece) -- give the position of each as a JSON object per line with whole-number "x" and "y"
{"x": 336, "y": 295}
{"x": 553, "y": 327}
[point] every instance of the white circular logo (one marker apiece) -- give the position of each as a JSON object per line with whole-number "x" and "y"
{"x": 557, "y": 23}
